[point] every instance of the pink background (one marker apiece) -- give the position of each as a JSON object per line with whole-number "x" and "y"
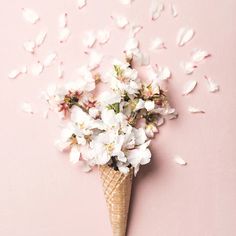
{"x": 41, "y": 193}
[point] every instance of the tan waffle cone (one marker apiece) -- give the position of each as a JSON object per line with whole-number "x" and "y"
{"x": 117, "y": 191}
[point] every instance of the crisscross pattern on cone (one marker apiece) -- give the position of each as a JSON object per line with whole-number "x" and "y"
{"x": 117, "y": 191}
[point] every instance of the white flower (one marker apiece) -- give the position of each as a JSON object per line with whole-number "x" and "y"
{"x": 139, "y": 156}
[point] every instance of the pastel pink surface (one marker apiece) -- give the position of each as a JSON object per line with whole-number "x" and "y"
{"x": 41, "y": 193}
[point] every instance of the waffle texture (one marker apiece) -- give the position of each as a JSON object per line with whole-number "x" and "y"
{"x": 117, "y": 191}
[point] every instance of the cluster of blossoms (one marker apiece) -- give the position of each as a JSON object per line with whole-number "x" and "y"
{"x": 114, "y": 127}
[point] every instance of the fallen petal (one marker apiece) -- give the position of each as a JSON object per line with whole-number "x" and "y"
{"x": 195, "y": 110}
{"x": 199, "y": 55}
{"x": 29, "y": 46}
{"x": 62, "y": 20}
{"x": 89, "y": 39}
{"x": 173, "y": 10}
{"x": 188, "y": 67}
{"x": 134, "y": 29}
{"x": 81, "y": 3}
{"x": 14, "y": 74}
{"x": 126, "y": 2}
{"x": 179, "y": 160}
{"x": 36, "y": 69}
{"x": 184, "y": 35}
{"x": 95, "y": 59}
{"x": 157, "y": 43}
{"x": 27, "y": 107}
{"x": 103, "y": 36}
{"x": 60, "y": 70}
{"x": 49, "y": 59}
{"x": 64, "y": 34}
{"x": 189, "y": 87}
{"x": 121, "y": 21}
{"x": 212, "y": 85}
{"x": 40, "y": 38}
{"x": 30, "y": 16}
{"x": 156, "y": 8}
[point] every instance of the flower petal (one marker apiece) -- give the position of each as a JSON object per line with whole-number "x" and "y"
{"x": 188, "y": 67}
{"x": 60, "y": 70}
{"x": 157, "y": 43}
{"x": 179, "y": 160}
{"x": 81, "y": 3}
{"x": 89, "y": 39}
{"x": 74, "y": 155}
{"x": 121, "y": 21}
{"x": 195, "y": 110}
{"x": 62, "y": 20}
{"x": 14, "y": 74}
{"x": 29, "y": 46}
{"x": 37, "y": 69}
{"x": 173, "y": 10}
{"x": 126, "y": 2}
{"x": 189, "y": 87}
{"x": 27, "y": 107}
{"x": 184, "y": 35}
{"x": 30, "y": 15}
{"x": 64, "y": 34}
{"x": 199, "y": 55}
{"x": 103, "y": 36}
{"x": 212, "y": 85}
{"x": 40, "y": 38}
{"x": 49, "y": 59}
{"x": 95, "y": 59}
{"x": 156, "y": 8}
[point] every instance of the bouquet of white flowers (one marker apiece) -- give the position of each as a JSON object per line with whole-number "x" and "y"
{"x": 111, "y": 129}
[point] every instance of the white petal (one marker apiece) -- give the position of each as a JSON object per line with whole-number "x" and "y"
{"x": 188, "y": 67}
{"x": 60, "y": 70}
{"x": 103, "y": 36}
{"x": 64, "y": 34}
{"x": 179, "y": 160}
{"x": 29, "y": 46}
{"x": 157, "y": 43}
{"x": 26, "y": 107}
{"x": 74, "y": 155}
{"x": 14, "y": 74}
{"x": 81, "y": 3}
{"x": 126, "y": 2}
{"x": 85, "y": 167}
{"x": 95, "y": 59}
{"x": 195, "y": 110}
{"x": 121, "y": 21}
{"x": 184, "y": 35}
{"x": 36, "y": 69}
{"x": 156, "y": 8}
{"x": 89, "y": 39}
{"x": 23, "y": 69}
{"x": 189, "y": 87}
{"x": 212, "y": 85}
{"x": 131, "y": 44}
{"x": 40, "y": 38}
{"x": 62, "y": 20}
{"x": 164, "y": 73}
{"x": 199, "y": 55}
{"x": 134, "y": 29}
{"x": 149, "y": 105}
{"x": 49, "y": 59}
{"x": 30, "y": 15}
{"x": 174, "y": 12}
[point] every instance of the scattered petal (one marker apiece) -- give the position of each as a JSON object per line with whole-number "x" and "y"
{"x": 156, "y": 8}
{"x": 49, "y": 59}
{"x": 81, "y": 3}
{"x": 188, "y": 67}
{"x": 23, "y": 69}
{"x": 121, "y": 21}
{"x": 29, "y": 46}
{"x": 64, "y": 34}
{"x": 27, "y": 107}
{"x": 189, "y": 87}
{"x": 14, "y": 74}
{"x": 95, "y": 59}
{"x": 60, "y": 70}
{"x": 62, "y": 20}
{"x": 89, "y": 39}
{"x": 103, "y": 36}
{"x": 195, "y": 110}
{"x": 134, "y": 29}
{"x": 126, "y": 2}
{"x": 199, "y": 55}
{"x": 40, "y": 38}
{"x": 212, "y": 85}
{"x": 164, "y": 73}
{"x": 131, "y": 44}
{"x": 184, "y": 35}
{"x": 157, "y": 43}
{"x": 37, "y": 69}
{"x": 30, "y": 15}
{"x": 173, "y": 10}
{"x": 179, "y": 160}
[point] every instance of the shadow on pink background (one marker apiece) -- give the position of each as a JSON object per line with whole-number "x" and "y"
{"x": 41, "y": 193}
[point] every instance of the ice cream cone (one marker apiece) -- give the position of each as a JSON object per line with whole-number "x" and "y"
{"x": 117, "y": 191}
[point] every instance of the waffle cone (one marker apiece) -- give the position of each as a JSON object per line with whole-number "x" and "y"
{"x": 117, "y": 191}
